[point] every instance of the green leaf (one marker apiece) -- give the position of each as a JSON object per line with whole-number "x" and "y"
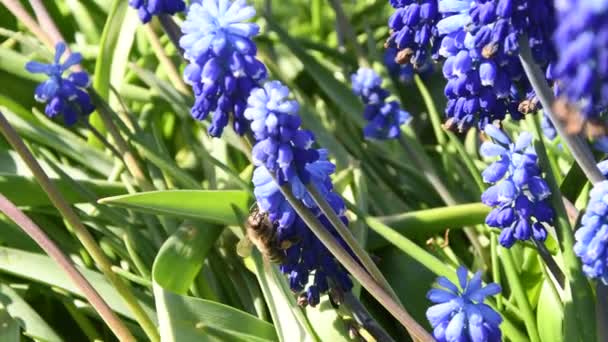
{"x": 55, "y": 137}
{"x": 432, "y": 221}
{"x": 208, "y": 205}
{"x": 40, "y": 268}
{"x": 25, "y": 191}
{"x": 188, "y": 248}
{"x": 9, "y": 327}
{"x": 549, "y": 315}
{"x": 185, "y": 319}
{"x": 32, "y": 324}
{"x": 110, "y": 37}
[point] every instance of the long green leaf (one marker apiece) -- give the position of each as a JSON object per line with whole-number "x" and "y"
{"x": 185, "y": 319}
{"x": 208, "y": 205}
{"x": 25, "y": 191}
{"x": 188, "y": 248}
{"x": 42, "y": 269}
{"x": 30, "y": 321}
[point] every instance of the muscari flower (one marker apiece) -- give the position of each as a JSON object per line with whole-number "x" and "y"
{"x": 146, "y": 9}
{"x": 403, "y": 72}
{"x": 481, "y": 45}
{"x": 519, "y": 194}
{"x": 284, "y": 150}
{"x": 581, "y": 39}
{"x": 459, "y": 314}
{"x": 223, "y": 68}
{"x": 592, "y": 236}
{"x": 65, "y": 96}
{"x": 413, "y": 31}
{"x": 384, "y": 117}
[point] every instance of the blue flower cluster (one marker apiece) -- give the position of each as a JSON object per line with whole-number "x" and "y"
{"x": 65, "y": 96}
{"x": 592, "y": 236}
{"x": 481, "y": 44}
{"x": 146, "y": 9}
{"x": 582, "y": 68}
{"x": 413, "y": 31}
{"x": 460, "y": 314}
{"x": 384, "y": 118}
{"x": 222, "y": 66}
{"x": 283, "y": 151}
{"x": 519, "y": 194}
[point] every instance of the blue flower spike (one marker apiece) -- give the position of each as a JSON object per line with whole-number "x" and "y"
{"x": 480, "y": 44}
{"x": 592, "y": 236}
{"x": 518, "y": 194}
{"x": 146, "y": 9}
{"x": 285, "y": 151}
{"x": 413, "y": 32}
{"x": 384, "y": 117}
{"x": 222, "y": 66}
{"x": 65, "y": 96}
{"x": 459, "y": 313}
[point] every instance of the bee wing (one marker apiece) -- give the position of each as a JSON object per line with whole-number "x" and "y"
{"x": 243, "y": 248}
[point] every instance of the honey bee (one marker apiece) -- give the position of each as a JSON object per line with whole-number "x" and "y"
{"x": 263, "y": 234}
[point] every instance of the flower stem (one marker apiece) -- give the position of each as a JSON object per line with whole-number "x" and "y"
{"x": 166, "y": 62}
{"x": 14, "y": 6}
{"x": 520, "y": 296}
{"x": 79, "y": 229}
{"x": 582, "y": 296}
{"x": 580, "y": 150}
{"x": 350, "y": 240}
{"x": 172, "y": 31}
{"x": 362, "y": 316}
{"x": 377, "y": 291}
{"x": 101, "y": 138}
{"x": 50, "y": 248}
{"x": 106, "y": 113}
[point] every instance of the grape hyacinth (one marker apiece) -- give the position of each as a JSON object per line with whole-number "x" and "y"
{"x": 65, "y": 96}
{"x": 146, "y": 9}
{"x": 404, "y": 72}
{"x": 384, "y": 118}
{"x": 413, "y": 31}
{"x": 519, "y": 194}
{"x": 592, "y": 236}
{"x": 222, "y": 65}
{"x": 582, "y": 68}
{"x": 460, "y": 314}
{"x": 481, "y": 45}
{"x": 284, "y": 150}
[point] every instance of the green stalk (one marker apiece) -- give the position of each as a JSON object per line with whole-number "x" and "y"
{"x": 433, "y": 113}
{"x": 520, "y": 295}
{"x": 354, "y": 268}
{"x": 350, "y": 240}
{"x": 80, "y": 230}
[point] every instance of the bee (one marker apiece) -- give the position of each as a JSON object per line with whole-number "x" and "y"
{"x": 263, "y": 234}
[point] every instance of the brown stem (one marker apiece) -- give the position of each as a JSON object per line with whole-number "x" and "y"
{"x": 50, "y": 248}
{"x": 21, "y": 13}
{"x": 79, "y": 229}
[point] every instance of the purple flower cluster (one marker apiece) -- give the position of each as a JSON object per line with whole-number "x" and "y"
{"x": 519, "y": 194}
{"x": 413, "y": 31}
{"x": 283, "y": 152}
{"x": 460, "y": 314}
{"x": 481, "y": 45}
{"x": 65, "y": 96}
{"x": 384, "y": 117}
{"x": 223, "y": 68}
{"x": 581, "y": 39}
{"x": 146, "y": 9}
